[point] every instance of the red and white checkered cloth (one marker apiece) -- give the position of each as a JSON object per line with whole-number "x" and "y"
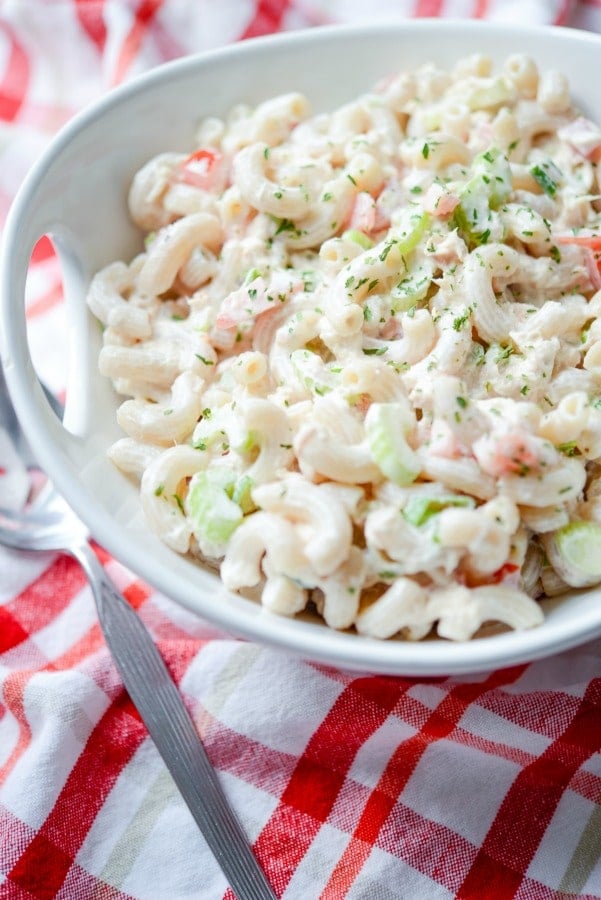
{"x": 361, "y": 787}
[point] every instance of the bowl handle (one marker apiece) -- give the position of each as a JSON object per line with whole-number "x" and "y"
{"x": 36, "y": 409}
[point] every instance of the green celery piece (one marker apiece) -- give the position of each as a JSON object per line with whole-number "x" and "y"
{"x": 495, "y": 93}
{"x": 213, "y": 514}
{"x": 575, "y": 553}
{"x": 410, "y": 230}
{"x": 386, "y": 426}
{"x": 242, "y": 494}
{"x": 359, "y": 237}
{"x": 488, "y": 187}
{"x": 466, "y": 217}
{"x": 412, "y": 288}
{"x": 492, "y": 170}
{"x": 419, "y": 510}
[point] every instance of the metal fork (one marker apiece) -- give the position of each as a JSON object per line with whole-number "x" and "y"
{"x": 49, "y": 524}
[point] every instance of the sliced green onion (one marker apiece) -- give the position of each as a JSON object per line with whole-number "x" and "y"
{"x": 251, "y": 275}
{"x": 548, "y": 176}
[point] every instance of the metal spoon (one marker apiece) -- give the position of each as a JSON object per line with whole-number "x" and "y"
{"x": 49, "y": 524}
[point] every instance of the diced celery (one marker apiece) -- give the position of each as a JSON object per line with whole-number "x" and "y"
{"x": 493, "y": 93}
{"x": 409, "y": 229}
{"x": 386, "y": 427}
{"x": 492, "y": 170}
{"x": 359, "y": 237}
{"x": 473, "y": 219}
{"x": 412, "y": 288}
{"x": 213, "y": 514}
{"x": 488, "y": 187}
{"x": 242, "y": 494}
{"x": 418, "y": 510}
{"x": 574, "y": 551}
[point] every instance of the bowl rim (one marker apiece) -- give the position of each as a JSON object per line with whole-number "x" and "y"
{"x": 343, "y": 650}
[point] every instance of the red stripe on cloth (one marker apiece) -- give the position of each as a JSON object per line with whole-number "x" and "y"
{"x": 45, "y": 598}
{"x": 524, "y": 710}
{"x": 48, "y": 117}
{"x": 103, "y": 555}
{"x": 46, "y": 302}
{"x": 440, "y": 723}
{"x": 16, "y": 683}
{"x": 91, "y": 15}
{"x": 587, "y": 784}
{"x": 564, "y": 12}
{"x": 144, "y": 15}
{"x": 178, "y": 655}
{"x": 11, "y": 631}
{"x": 15, "y": 835}
{"x": 267, "y": 18}
{"x": 426, "y": 8}
{"x": 335, "y": 674}
{"x": 530, "y": 803}
{"x": 55, "y": 589}
{"x": 15, "y": 81}
{"x": 81, "y": 884}
{"x": 480, "y": 10}
{"x": 429, "y": 847}
{"x": 13, "y": 690}
{"x": 492, "y": 747}
{"x": 43, "y": 250}
{"x": 361, "y": 708}
{"x": 255, "y": 763}
{"x": 45, "y": 863}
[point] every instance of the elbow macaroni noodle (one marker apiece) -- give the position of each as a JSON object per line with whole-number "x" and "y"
{"x": 359, "y": 353}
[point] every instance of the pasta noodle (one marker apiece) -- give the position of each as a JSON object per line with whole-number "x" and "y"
{"x": 360, "y": 351}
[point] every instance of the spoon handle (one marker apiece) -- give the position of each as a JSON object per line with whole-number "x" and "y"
{"x": 162, "y": 710}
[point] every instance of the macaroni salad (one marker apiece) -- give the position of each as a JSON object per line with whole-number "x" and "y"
{"x": 361, "y": 351}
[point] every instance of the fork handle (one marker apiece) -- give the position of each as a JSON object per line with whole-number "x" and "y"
{"x": 162, "y": 710}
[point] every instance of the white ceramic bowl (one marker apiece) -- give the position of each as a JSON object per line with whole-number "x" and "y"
{"x": 76, "y": 194}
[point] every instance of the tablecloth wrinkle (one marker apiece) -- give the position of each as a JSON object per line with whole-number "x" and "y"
{"x": 478, "y": 787}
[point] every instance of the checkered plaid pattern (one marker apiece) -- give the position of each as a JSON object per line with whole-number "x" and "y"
{"x": 348, "y": 786}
